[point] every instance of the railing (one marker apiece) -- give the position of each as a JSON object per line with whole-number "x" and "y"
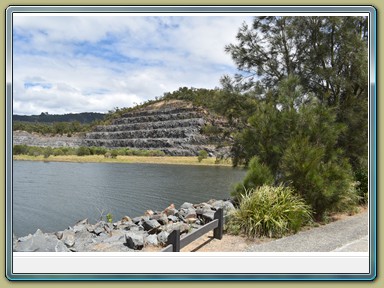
{"x": 175, "y": 243}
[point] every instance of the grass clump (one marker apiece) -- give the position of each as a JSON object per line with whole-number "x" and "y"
{"x": 271, "y": 211}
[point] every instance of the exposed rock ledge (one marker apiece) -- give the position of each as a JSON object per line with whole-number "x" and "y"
{"x": 125, "y": 235}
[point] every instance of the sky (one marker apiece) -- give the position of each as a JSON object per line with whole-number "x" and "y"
{"x": 72, "y": 64}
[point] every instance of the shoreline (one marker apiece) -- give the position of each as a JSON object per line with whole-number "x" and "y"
{"x": 169, "y": 160}
{"x": 150, "y": 230}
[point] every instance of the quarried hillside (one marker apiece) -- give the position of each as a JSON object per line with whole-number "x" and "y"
{"x": 175, "y": 127}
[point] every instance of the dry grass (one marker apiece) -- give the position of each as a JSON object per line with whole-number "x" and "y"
{"x": 178, "y": 160}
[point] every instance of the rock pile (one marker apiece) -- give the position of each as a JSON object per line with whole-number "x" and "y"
{"x": 174, "y": 128}
{"x": 125, "y": 235}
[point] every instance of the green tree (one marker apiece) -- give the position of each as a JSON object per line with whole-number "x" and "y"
{"x": 295, "y": 137}
{"x": 327, "y": 54}
{"x": 202, "y": 155}
{"x": 258, "y": 174}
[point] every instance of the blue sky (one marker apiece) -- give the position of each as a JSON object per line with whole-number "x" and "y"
{"x": 70, "y": 64}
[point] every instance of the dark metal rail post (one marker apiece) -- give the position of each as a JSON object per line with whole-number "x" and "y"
{"x": 174, "y": 239}
{"x": 218, "y": 232}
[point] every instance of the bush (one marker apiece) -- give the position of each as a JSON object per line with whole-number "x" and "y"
{"x": 109, "y": 217}
{"x": 257, "y": 175}
{"x": 269, "y": 211}
{"x": 48, "y": 151}
{"x": 58, "y": 152}
{"x": 323, "y": 181}
{"x": 114, "y": 154}
{"x": 202, "y": 155}
{"x": 98, "y": 150}
{"x": 20, "y": 149}
{"x": 83, "y": 151}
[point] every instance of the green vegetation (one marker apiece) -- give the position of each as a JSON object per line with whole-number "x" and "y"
{"x": 109, "y": 218}
{"x": 298, "y": 117}
{"x": 271, "y": 211}
{"x": 202, "y": 155}
{"x": 309, "y": 124}
{"x": 56, "y": 128}
{"x": 81, "y": 151}
{"x": 45, "y": 117}
{"x": 257, "y": 175}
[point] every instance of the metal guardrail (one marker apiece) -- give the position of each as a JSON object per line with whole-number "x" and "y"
{"x": 174, "y": 243}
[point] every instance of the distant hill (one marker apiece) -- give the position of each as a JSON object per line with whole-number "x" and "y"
{"x": 83, "y": 118}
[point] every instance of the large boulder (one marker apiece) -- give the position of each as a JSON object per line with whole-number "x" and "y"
{"x": 40, "y": 242}
{"x": 152, "y": 240}
{"x": 151, "y": 225}
{"x": 162, "y": 237}
{"x": 135, "y": 240}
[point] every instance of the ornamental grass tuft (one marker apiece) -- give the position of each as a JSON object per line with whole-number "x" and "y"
{"x": 271, "y": 211}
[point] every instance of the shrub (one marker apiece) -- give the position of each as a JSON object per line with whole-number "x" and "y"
{"x": 83, "y": 151}
{"x": 114, "y": 153}
{"x": 271, "y": 211}
{"x": 257, "y": 175}
{"x": 48, "y": 151}
{"x": 109, "y": 217}
{"x": 107, "y": 155}
{"x": 98, "y": 150}
{"x": 323, "y": 181}
{"x": 35, "y": 151}
{"x": 202, "y": 155}
{"x": 58, "y": 152}
{"x": 20, "y": 149}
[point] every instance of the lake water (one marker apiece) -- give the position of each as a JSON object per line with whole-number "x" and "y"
{"x": 54, "y": 195}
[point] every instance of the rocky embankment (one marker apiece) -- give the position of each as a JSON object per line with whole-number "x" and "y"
{"x": 174, "y": 127}
{"x": 57, "y": 141}
{"x": 125, "y": 235}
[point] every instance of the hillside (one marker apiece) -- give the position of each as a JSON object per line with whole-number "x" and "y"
{"x": 175, "y": 127}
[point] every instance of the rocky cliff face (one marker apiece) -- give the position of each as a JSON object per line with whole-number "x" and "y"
{"x": 34, "y": 139}
{"x": 174, "y": 127}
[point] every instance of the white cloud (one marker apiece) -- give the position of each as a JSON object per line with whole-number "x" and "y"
{"x": 76, "y": 64}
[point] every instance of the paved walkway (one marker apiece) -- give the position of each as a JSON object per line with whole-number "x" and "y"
{"x": 349, "y": 234}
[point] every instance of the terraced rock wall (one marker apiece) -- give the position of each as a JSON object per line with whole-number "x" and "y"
{"x": 172, "y": 129}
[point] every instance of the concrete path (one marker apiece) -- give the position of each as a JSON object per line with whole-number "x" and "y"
{"x": 349, "y": 234}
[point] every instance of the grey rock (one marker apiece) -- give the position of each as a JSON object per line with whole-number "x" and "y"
{"x": 171, "y": 211}
{"x": 161, "y": 218}
{"x": 61, "y": 247}
{"x": 40, "y": 242}
{"x": 83, "y": 240}
{"x": 175, "y": 226}
{"x": 227, "y": 206}
{"x": 187, "y": 213}
{"x": 136, "y": 220}
{"x": 134, "y": 240}
{"x": 208, "y": 216}
{"x": 116, "y": 237}
{"x": 162, "y": 237}
{"x": 203, "y": 208}
{"x": 98, "y": 230}
{"x": 151, "y": 225}
{"x": 59, "y": 235}
{"x": 186, "y": 205}
{"x": 152, "y": 240}
{"x": 173, "y": 218}
{"x": 68, "y": 237}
